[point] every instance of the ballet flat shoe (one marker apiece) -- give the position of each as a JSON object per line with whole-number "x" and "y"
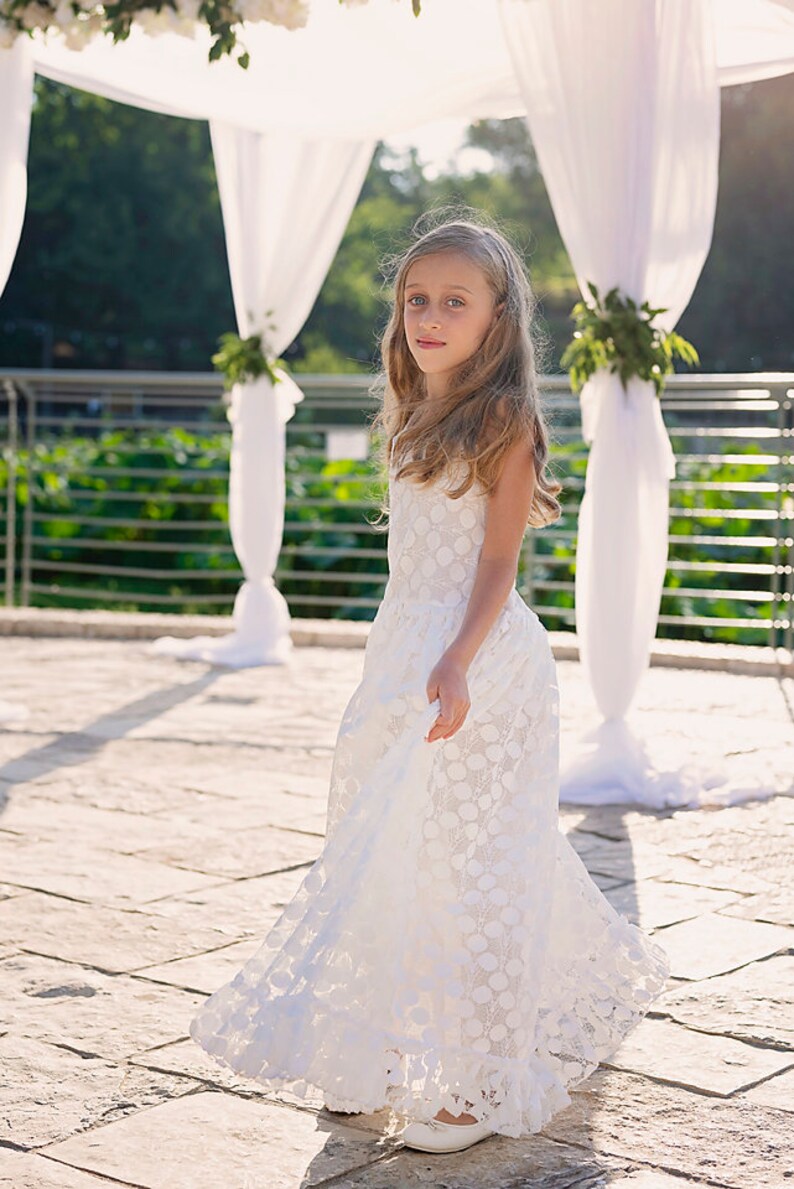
{"x": 435, "y": 1136}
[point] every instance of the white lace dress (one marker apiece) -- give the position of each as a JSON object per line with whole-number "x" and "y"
{"x": 448, "y": 947}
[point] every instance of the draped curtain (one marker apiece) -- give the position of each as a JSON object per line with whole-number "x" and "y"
{"x": 623, "y": 107}
{"x": 16, "y": 94}
{"x": 286, "y": 202}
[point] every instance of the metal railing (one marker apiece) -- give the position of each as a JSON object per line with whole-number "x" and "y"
{"x": 116, "y": 495}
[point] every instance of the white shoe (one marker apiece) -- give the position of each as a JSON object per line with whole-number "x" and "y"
{"x": 435, "y": 1136}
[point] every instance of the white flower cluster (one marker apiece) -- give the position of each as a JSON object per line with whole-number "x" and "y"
{"x": 78, "y": 21}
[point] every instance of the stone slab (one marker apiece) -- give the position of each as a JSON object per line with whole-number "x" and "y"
{"x": 188, "y": 1059}
{"x": 251, "y": 781}
{"x": 109, "y": 939}
{"x": 203, "y": 973}
{"x": 752, "y": 1003}
{"x": 32, "y": 1170}
{"x": 774, "y": 906}
{"x": 653, "y": 1178}
{"x": 652, "y": 904}
{"x": 240, "y": 907}
{"x": 703, "y": 873}
{"x": 122, "y": 881}
{"x": 121, "y": 783}
{"x": 239, "y": 854}
{"x": 605, "y": 821}
{"x": 9, "y": 891}
{"x": 755, "y": 831}
{"x": 607, "y": 882}
{"x": 714, "y": 944}
{"x": 110, "y": 1016}
{"x": 723, "y": 1141}
{"x": 700, "y": 1060}
{"x": 25, "y": 758}
{"x": 495, "y": 1163}
{"x": 50, "y": 1093}
{"x": 620, "y": 860}
{"x": 776, "y": 1092}
{"x": 42, "y": 818}
{"x": 269, "y": 806}
{"x": 210, "y": 1138}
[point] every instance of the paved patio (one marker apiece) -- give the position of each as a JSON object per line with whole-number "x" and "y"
{"x": 154, "y": 819}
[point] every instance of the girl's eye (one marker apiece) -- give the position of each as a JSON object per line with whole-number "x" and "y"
{"x": 416, "y": 298}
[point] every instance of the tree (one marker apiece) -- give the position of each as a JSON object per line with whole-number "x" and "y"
{"x": 122, "y": 261}
{"x": 122, "y": 250}
{"x": 742, "y": 311}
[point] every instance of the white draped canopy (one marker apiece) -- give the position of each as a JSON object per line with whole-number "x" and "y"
{"x": 622, "y": 102}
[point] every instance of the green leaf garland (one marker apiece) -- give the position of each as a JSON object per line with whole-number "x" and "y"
{"x": 242, "y": 360}
{"x": 616, "y": 333}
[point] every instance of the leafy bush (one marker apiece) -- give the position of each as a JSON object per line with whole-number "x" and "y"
{"x": 112, "y": 508}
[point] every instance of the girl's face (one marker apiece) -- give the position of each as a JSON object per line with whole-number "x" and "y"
{"x": 448, "y": 310}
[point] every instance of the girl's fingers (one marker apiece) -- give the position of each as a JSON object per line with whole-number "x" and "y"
{"x": 447, "y": 727}
{"x": 457, "y": 724}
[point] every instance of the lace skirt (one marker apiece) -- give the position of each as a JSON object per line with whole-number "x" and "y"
{"x": 448, "y": 948}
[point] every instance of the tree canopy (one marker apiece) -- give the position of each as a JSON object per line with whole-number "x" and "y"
{"x": 122, "y": 260}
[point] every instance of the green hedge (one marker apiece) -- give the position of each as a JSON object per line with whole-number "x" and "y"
{"x": 183, "y": 509}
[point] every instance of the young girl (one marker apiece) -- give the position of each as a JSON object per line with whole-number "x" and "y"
{"x": 448, "y": 955}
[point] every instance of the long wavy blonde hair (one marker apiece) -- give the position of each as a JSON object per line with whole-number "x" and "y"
{"x": 492, "y": 398}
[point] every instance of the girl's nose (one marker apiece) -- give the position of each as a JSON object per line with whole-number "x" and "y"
{"x": 428, "y": 319}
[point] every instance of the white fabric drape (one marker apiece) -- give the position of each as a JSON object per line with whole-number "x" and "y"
{"x": 16, "y": 94}
{"x": 623, "y": 108}
{"x": 372, "y": 70}
{"x": 286, "y": 203}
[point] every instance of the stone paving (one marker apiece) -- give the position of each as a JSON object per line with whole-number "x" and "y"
{"x": 154, "y": 819}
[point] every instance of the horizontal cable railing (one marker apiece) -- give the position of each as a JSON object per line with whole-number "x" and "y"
{"x": 115, "y": 493}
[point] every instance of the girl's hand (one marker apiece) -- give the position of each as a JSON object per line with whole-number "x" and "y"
{"x": 447, "y": 682}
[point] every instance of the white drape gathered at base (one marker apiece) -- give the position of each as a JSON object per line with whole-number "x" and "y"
{"x": 623, "y": 108}
{"x": 286, "y": 203}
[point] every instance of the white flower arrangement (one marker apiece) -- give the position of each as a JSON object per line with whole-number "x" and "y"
{"x": 78, "y": 21}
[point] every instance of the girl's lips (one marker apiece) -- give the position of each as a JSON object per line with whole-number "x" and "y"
{"x": 430, "y": 343}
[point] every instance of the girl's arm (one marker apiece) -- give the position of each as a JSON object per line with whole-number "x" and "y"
{"x": 506, "y": 520}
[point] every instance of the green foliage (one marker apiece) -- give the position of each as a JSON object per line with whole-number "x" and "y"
{"x": 742, "y": 310}
{"x": 241, "y": 360}
{"x": 612, "y": 333}
{"x": 171, "y": 490}
{"x": 320, "y": 358}
{"x": 719, "y": 579}
{"x": 143, "y": 283}
{"x": 132, "y": 502}
{"x": 122, "y": 257}
{"x": 90, "y": 18}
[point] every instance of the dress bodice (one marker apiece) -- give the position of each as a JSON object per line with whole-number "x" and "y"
{"x": 434, "y": 540}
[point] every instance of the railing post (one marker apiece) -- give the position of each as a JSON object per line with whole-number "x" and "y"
{"x": 11, "y": 495}
{"x": 780, "y": 552}
{"x": 27, "y": 522}
{"x": 787, "y": 435}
